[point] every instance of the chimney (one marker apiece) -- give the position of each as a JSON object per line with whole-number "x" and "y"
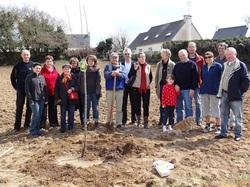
{"x": 187, "y": 18}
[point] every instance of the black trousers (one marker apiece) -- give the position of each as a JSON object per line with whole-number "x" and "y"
{"x": 127, "y": 93}
{"x": 51, "y": 110}
{"x": 167, "y": 114}
{"x": 139, "y": 97}
{"x": 20, "y": 100}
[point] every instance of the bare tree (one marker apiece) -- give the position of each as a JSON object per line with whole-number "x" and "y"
{"x": 120, "y": 41}
{"x": 247, "y": 20}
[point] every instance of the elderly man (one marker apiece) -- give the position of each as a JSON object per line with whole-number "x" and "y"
{"x": 17, "y": 77}
{"x": 199, "y": 60}
{"x": 112, "y": 71}
{"x": 186, "y": 78}
{"x": 234, "y": 83}
{"x": 163, "y": 68}
{"x": 127, "y": 63}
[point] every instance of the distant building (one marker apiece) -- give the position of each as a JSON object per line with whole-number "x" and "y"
{"x": 152, "y": 40}
{"x": 231, "y": 32}
{"x": 78, "y": 41}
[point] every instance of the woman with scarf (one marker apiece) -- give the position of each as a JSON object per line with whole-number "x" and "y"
{"x": 66, "y": 84}
{"x": 141, "y": 70}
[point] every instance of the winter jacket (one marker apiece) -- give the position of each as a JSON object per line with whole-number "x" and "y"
{"x": 19, "y": 73}
{"x": 50, "y": 78}
{"x": 238, "y": 82}
{"x": 210, "y": 79}
{"x": 93, "y": 78}
{"x": 158, "y": 74}
{"x": 35, "y": 88}
{"x": 120, "y": 81}
{"x": 61, "y": 90}
{"x": 169, "y": 95}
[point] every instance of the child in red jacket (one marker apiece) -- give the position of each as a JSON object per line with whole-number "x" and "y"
{"x": 169, "y": 96}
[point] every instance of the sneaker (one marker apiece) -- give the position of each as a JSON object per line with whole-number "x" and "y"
{"x": 96, "y": 124}
{"x": 164, "y": 128}
{"x": 220, "y": 136}
{"x": 207, "y": 128}
{"x": 198, "y": 124}
{"x": 170, "y": 128}
{"x": 218, "y": 130}
{"x": 237, "y": 139}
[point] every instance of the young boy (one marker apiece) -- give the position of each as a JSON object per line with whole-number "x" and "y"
{"x": 169, "y": 96}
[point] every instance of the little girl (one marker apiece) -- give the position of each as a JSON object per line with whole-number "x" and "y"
{"x": 169, "y": 96}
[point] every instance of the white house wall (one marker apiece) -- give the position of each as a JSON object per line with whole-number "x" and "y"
{"x": 185, "y": 34}
{"x": 146, "y": 48}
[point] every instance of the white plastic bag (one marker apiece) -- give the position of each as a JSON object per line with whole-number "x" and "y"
{"x": 163, "y": 167}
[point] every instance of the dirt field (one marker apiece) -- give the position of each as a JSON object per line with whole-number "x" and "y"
{"x": 123, "y": 158}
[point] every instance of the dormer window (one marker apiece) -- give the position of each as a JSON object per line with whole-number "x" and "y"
{"x": 157, "y": 35}
{"x": 168, "y": 34}
{"x": 145, "y": 38}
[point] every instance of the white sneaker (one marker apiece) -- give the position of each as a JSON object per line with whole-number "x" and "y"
{"x": 170, "y": 128}
{"x": 164, "y": 128}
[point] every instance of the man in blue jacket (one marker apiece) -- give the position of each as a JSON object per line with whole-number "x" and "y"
{"x": 234, "y": 83}
{"x": 112, "y": 71}
{"x": 17, "y": 77}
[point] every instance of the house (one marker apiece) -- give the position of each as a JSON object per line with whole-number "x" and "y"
{"x": 153, "y": 39}
{"x": 78, "y": 41}
{"x": 231, "y": 32}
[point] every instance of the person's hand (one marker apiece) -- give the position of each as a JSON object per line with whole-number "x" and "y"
{"x": 69, "y": 90}
{"x": 191, "y": 93}
{"x": 163, "y": 106}
{"x": 177, "y": 88}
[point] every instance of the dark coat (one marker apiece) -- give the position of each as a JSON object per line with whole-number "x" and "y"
{"x": 61, "y": 90}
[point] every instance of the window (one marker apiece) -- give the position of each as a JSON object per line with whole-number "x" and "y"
{"x": 140, "y": 50}
{"x": 150, "y": 49}
{"x": 157, "y": 35}
{"x": 168, "y": 34}
{"x": 146, "y": 38}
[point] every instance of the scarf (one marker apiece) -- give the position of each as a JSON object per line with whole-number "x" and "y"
{"x": 143, "y": 85}
{"x": 66, "y": 79}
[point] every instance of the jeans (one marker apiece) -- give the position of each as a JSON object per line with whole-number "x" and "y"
{"x": 236, "y": 107}
{"x": 168, "y": 114}
{"x": 20, "y": 100}
{"x": 71, "y": 110}
{"x": 127, "y": 93}
{"x": 197, "y": 100}
{"x": 184, "y": 100}
{"x": 92, "y": 101}
{"x": 37, "y": 111}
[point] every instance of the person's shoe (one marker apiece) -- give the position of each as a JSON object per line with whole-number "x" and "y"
{"x": 96, "y": 124}
{"x": 198, "y": 124}
{"x": 62, "y": 130}
{"x": 207, "y": 128}
{"x": 220, "y": 136}
{"x": 164, "y": 128}
{"x": 170, "y": 128}
{"x": 119, "y": 126}
{"x": 237, "y": 139}
{"x": 218, "y": 130}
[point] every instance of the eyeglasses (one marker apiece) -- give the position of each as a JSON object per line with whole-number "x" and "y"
{"x": 127, "y": 54}
{"x": 206, "y": 57}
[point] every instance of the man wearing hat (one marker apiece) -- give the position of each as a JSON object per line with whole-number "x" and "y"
{"x": 36, "y": 92}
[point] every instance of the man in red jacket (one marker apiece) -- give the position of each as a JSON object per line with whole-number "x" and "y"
{"x": 199, "y": 60}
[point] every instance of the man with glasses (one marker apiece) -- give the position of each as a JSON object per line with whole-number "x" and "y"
{"x": 233, "y": 84}
{"x": 127, "y": 63}
{"x": 199, "y": 60}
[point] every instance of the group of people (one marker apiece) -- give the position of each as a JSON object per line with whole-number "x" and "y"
{"x": 217, "y": 86}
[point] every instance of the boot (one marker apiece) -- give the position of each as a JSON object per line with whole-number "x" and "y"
{"x": 138, "y": 120}
{"x": 145, "y": 122}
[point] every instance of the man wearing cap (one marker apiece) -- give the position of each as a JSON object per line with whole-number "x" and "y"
{"x": 17, "y": 77}
{"x": 112, "y": 71}
{"x": 37, "y": 95}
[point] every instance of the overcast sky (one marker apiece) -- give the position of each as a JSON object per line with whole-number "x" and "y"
{"x": 107, "y": 17}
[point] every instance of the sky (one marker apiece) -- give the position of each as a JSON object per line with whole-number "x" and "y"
{"x": 109, "y": 17}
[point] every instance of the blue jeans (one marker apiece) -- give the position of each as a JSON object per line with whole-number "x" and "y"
{"x": 184, "y": 99}
{"x": 197, "y": 100}
{"x": 37, "y": 111}
{"x": 92, "y": 101}
{"x": 71, "y": 110}
{"x": 236, "y": 107}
